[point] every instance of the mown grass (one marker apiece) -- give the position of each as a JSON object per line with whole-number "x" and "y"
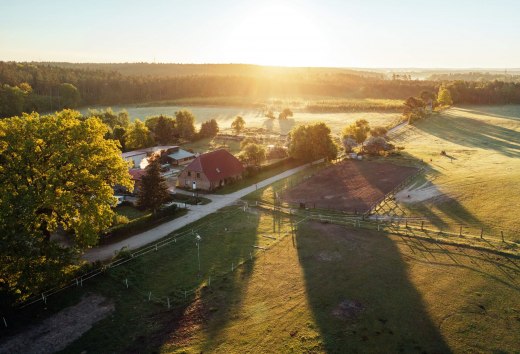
{"x": 400, "y": 294}
{"x": 131, "y": 212}
{"x": 264, "y": 173}
{"x": 479, "y": 173}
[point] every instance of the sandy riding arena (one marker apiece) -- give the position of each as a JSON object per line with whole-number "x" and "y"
{"x": 350, "y": 186}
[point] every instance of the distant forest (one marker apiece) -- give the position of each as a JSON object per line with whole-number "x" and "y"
{"x": 41, "y": 87}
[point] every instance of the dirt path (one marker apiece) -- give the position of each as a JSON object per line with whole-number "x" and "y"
{"x": 195, "y": 213}
{"x": 58, "y": 331}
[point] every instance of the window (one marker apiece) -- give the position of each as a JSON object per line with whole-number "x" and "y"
{"x": 189, "y": 173}
{"x": 198, "y": 175}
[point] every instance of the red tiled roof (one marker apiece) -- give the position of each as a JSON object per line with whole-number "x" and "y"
{"x": 136, "y": 174}
{"x": 216, "y": 165}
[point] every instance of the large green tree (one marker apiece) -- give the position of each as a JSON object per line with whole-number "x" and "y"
{"x": 69, "y": 95}
{"x": 163, "y": 128}
{"x": 209, "y": 129}
{"x": 444, "y": 97}
{"x": 185, "y": 124}
{"x": 57, "y": 172}
{"x": 138, "y": 136}
{"x": 153, "y": 191}
{"x": 312, "y": 142}
{"x": 253, "y": 154}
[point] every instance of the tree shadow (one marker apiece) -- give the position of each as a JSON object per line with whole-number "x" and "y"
{"x": 360, "y": 293}
{"x": 268, "y": 124}
{"x": 144, "y": 326}
{"x": 506, "y": 112}
{"x": 286, "y": 125}
{"x": 473, "y": 133}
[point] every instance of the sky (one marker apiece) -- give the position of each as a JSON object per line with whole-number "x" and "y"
{"x": 326, "y": 33}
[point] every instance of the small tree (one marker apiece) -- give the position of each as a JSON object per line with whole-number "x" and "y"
{"x": 185, "y": 124}
{"x": 312, "y": 142}
{"x": 357, "y": 131}
{"x": 153, "y": 191}
{"x": 253, "y": 154}
{"x": 209, "y": 129}
{"x": 269, "y": 114}
{"x": 444, "y": 97}
{"x": 286, "y": 113}
{"x": 238, "y": 125}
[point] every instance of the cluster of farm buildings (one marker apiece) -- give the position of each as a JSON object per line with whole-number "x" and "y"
{"x": 181, "y": 168}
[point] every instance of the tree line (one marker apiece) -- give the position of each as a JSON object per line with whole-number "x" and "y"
{"x": 27, "y": 87}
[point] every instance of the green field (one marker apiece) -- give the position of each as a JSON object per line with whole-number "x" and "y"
{"x": 475, "y": 184}
{"x": 323, "y": 288}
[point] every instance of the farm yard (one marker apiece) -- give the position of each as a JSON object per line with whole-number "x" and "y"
{"x": 349, "y": 186}
{"x": 315, "y": 288}
{"x": 473, "y": 168}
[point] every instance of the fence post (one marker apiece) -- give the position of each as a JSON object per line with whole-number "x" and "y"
{"x": 209, "y": 281}
{"x": 185, "y": 294}
{"x": 149, "y": 296}
{"x": 231, "y": 266}
{"x": 5, "y": 322}
{"x": 460, "y": 231}
{"x": 422, "y": 225}
{"x": 126, "y": 282}
{"x": 502, "y": 233}
{"x": 168, "y": 299}
{"x": 481, "y": 232}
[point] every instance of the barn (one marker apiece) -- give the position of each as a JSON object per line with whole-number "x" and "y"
{"x": 211, "y": 170}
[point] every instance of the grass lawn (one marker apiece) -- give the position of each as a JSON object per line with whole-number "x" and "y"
{"x": 130, "y": 212}
{"x": 258, "y": 177}
{"x": 188, "y": 199}
{"x": 476, "y": 182}
{"x": 324, "y": 288}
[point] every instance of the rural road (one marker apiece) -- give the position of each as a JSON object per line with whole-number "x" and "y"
{"x": 195, "y": 213}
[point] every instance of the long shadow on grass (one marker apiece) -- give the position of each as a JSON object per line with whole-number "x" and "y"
{"x": 473, "y": 133}
{"x": 143, "y": 326}
{"x": 361, "y": 295}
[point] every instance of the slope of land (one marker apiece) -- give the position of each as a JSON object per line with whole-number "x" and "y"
{"x": 473, "y": 174}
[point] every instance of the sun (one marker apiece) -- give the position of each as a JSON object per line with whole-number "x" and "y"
{"x": 277, "y": 34}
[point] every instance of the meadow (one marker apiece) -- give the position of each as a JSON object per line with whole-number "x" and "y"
{"x": 311, "y": 287}
{"x": 326, "y": 110}
{"x": 472, "y": 160}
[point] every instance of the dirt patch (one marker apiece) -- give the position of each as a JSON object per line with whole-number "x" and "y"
{"x": 348, "y": 310}
{"x": 350, "y": 186}
{"x": 57, "y": 332}
{"x": 418, "y": 194}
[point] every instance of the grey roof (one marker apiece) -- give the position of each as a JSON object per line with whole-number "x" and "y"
{"x": 181, "y": 154}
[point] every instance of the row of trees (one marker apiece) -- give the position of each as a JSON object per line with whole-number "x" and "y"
{"x": 155, "y": 130}
{"x": 53, "y": 87}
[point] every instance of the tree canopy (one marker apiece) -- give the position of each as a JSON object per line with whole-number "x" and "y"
{"x": 209, "y": 129}
{"x": 357, "y": 131}
{"x": 138, "y": 136}
{"x": 57, "y": 172}
{"x": 185, "y": 124}
{"x": 312, "y": 142}
{"x": 238, "y": 124}
{"x": 444, "y": 97}
{"x": 153, "y": 191}
{"x": 253, "y": 154}
{"x": 286, "y": 113}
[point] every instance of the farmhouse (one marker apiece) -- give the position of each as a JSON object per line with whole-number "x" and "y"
{"x": 211, "y": 170}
